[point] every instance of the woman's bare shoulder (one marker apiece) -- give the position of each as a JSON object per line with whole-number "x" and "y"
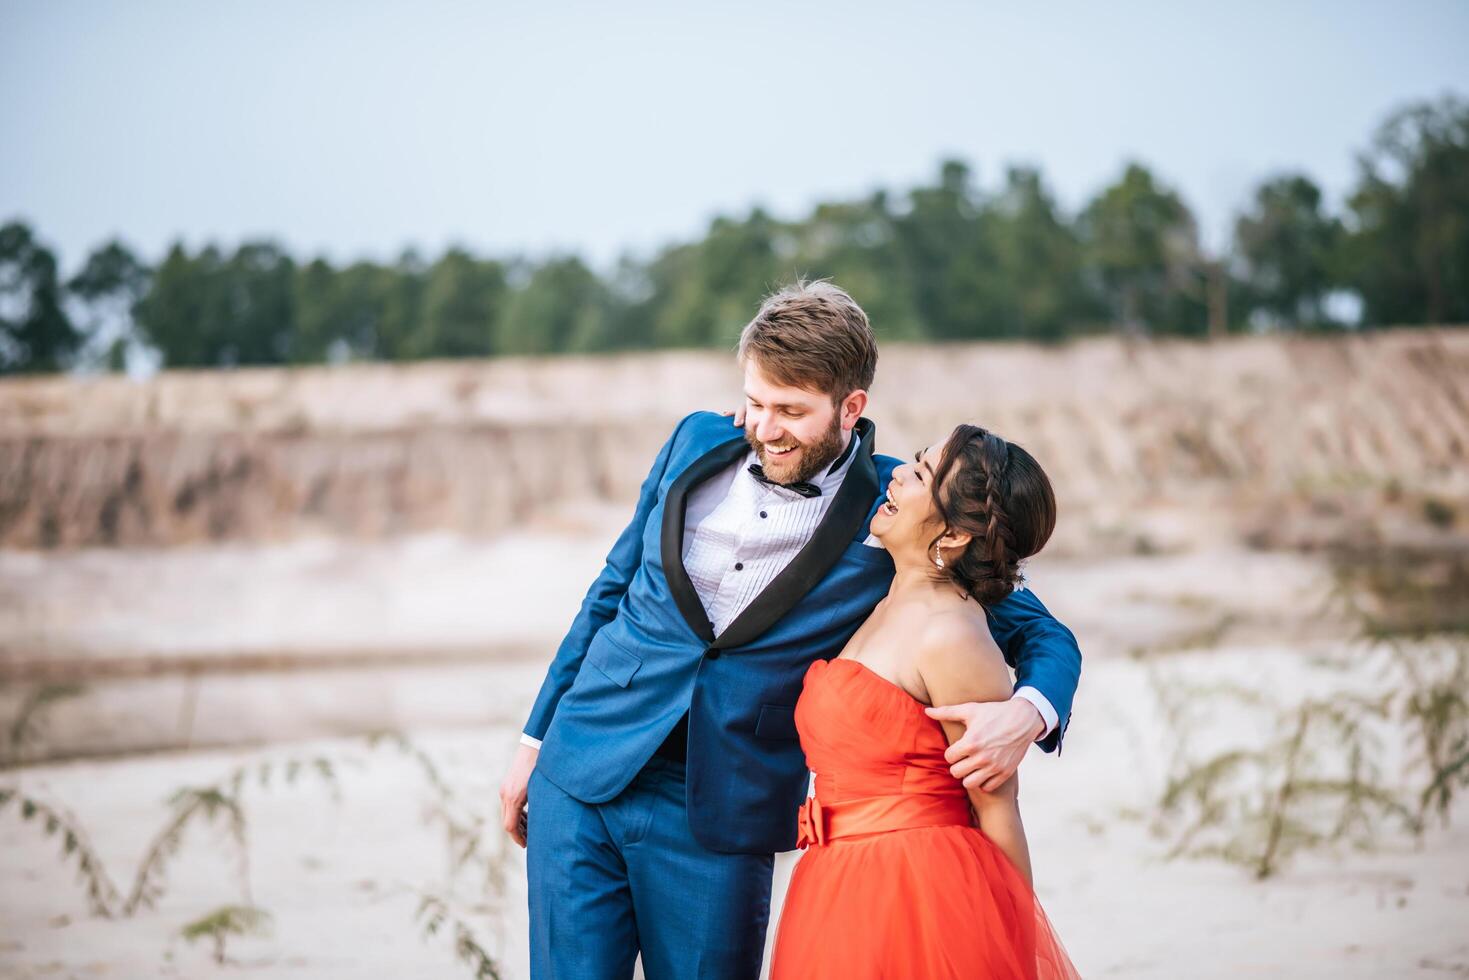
{"x": 956, "y": 653}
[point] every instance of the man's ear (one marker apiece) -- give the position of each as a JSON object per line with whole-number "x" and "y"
{"x": 852, "y": 408}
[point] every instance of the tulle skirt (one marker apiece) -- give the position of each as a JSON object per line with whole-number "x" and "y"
{"x": 925, "y": 903}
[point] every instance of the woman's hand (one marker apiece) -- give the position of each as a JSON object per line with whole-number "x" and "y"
{"x": 739, "y": 416}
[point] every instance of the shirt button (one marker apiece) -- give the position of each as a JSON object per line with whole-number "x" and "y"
{"x": 763, "y": 514}
{"x": 739, "y": 566}
{"x": 712, "y": 653}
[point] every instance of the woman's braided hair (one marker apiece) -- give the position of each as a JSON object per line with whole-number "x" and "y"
{"x": 997, "y": 493}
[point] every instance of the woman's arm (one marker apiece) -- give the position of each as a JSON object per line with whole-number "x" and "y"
{"x": 959, "y": 663}
{"x": 999, "y": 817}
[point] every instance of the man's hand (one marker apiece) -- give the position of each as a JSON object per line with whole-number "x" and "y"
{"x": 996, "y": 737}
{"x": 512, "y": 791}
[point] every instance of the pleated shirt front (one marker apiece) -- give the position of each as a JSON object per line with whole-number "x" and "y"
{"x": 740, "y": 533}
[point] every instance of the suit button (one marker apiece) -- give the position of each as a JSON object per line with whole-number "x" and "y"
{"x": 712, "y": 653}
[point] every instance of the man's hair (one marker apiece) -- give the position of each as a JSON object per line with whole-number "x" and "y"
{"x": 812, "y": 335}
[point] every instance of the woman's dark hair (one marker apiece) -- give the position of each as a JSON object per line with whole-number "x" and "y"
{"x": 998, "y": 494}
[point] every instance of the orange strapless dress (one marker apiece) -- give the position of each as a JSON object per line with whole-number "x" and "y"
{"x": 896, "y": 881}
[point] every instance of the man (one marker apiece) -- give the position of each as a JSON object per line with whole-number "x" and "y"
{"x": 660, "y": 760}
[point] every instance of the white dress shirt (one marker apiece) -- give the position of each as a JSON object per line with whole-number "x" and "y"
{"x": 740, "y": 533}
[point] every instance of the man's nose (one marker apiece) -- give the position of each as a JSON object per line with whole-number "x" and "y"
{"x": 767, "y": 429}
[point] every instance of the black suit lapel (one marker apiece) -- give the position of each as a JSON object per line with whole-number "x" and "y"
{"x": 840, "y": 524}
{"x": 685, "y": 596}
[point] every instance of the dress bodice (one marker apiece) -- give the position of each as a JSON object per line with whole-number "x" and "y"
{"x": 865, "y": 736}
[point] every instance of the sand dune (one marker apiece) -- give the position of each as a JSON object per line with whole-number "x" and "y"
{"x": 1239, "y": 428}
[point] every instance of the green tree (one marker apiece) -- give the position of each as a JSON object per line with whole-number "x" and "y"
{"x": 1408, "y": 250}
{"x": 1142, "y": 248}
{"x": 1035, "y": 277}
{"x": 319, "y": 329}
{"x": 35, "y": 332}
{"x": 562, "y": 308}
{"x": 209, "y": 311}
{"x": 946, "y": 257}
{"x": 399, "y": 292}
{"x": 259, "y": 306}
{"x": 1288, "y": 246}
{"x": 181, "y": 313}
{"x": 339, "y": 312}
{"x": 110, "y": 284}
{"x": 630, "y": 305}
{"x": 463, "y": 298}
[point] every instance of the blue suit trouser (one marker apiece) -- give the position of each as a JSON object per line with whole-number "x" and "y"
{"x": 611, "y": 880}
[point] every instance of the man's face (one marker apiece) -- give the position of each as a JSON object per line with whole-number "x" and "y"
{"x": 797, "y": 433}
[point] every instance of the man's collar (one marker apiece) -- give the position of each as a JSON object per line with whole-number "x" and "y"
{"x": 832, "y": 478}
{"x": 852, "y": 439}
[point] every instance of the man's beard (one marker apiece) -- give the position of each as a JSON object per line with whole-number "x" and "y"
{"x": 813, "y": 457}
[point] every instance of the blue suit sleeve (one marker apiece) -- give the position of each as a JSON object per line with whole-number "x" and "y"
{"x": 602, "y": 599}
{"x": 1042, "y": 651}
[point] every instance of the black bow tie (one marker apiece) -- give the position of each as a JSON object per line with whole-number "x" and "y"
{"x": 804, "y": 489}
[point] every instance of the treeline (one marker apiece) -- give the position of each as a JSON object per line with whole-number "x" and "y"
{"x": 945, "y": 261}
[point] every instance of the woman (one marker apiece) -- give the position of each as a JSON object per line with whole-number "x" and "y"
{"x": 905, "y": 874}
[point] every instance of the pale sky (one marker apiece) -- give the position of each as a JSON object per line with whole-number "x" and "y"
{"x": 357, "y": 128}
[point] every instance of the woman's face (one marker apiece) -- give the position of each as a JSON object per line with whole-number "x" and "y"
{"x": 909, "y": 515}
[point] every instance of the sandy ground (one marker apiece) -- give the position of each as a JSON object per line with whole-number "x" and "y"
{"x": 341, "y": 878}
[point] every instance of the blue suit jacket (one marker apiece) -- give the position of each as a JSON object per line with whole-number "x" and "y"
{"x": 642, "y": 653}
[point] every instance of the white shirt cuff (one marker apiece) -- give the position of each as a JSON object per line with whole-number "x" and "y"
{"x": 534, "y": 743}
{"x": 1048, "y": 713}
